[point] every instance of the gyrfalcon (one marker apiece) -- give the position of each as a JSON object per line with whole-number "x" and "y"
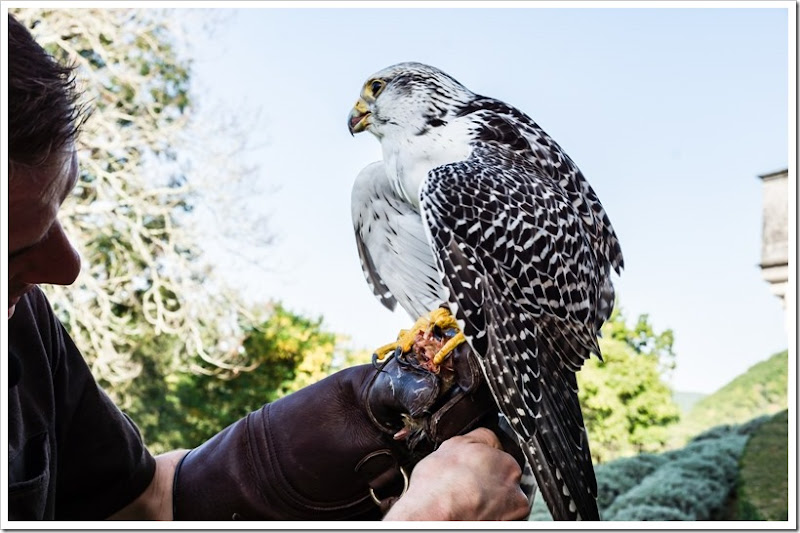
{"x": 475, "y": 210}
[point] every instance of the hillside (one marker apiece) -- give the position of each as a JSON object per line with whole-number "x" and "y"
{"x": 759, "y": 391}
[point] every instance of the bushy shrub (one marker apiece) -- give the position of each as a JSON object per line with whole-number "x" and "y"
{"x": 723, "y": 430}
{"x": 695, "y": 480}
{"x": 691, "y": 483}
{"x": 539, "y": 510}
{"x": 620, "y": 476}
{"x": 651, "y": 513}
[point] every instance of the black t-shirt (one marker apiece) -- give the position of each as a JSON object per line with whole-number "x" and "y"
{"x": 72, "y": 455}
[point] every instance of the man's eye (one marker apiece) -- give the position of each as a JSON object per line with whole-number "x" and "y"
{"x": 376, "y": 87}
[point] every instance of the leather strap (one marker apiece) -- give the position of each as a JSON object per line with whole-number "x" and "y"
{"x": 388, "y": 480}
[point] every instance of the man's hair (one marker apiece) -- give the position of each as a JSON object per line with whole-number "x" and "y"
{"x": 43, "y": 110}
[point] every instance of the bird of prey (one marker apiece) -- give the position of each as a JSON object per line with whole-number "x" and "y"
{"x": 476, "y": 217}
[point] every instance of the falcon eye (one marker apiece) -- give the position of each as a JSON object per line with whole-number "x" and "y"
{"x": 376, "y": 86}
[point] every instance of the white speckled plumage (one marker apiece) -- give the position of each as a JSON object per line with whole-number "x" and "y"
{"x": 476, "y": 207}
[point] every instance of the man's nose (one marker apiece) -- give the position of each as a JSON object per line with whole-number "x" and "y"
{"x": 54, "y": 260}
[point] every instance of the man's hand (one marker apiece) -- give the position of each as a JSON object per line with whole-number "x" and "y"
{"x": 467, "y": 478}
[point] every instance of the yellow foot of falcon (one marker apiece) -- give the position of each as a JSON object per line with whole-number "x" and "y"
{"x": 423, "y": 329}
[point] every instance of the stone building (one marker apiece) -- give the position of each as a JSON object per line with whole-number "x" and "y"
{"x": 775, "y": 232}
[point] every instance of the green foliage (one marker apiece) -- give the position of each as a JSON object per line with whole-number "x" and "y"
{"x": 691, "y": 483}
{"x": 697, "y": 481}
{"x": 624, "y": 475}
{"x": 183, "y": 409}
{"x": 642, "y": 338}
{"x": 723, "y": 430}
{"x": 290, "y": 351}
{"x": 651, "y": 513}
{"x": 761, "y": 390}
{"x": 763, "y": 477}
{"x": 539, "y": 512}
{"x": 627, "y": 407}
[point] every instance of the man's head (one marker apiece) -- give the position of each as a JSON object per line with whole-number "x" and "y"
{"x": 43, "y": 120}
{"x": 43, "y": 115}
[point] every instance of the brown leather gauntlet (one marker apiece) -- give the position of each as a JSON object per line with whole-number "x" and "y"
{"x": 332, "y": 451}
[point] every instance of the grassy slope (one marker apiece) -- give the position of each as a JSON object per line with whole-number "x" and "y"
{"x": 763, "y": 476}
{"x": 761, "y": 390}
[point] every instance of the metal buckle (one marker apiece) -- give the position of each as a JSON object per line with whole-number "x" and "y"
{"x": 405, "y": 487}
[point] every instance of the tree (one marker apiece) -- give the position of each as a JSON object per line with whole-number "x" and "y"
{"x": 627, "y": 407}
{"x": 286, "y": 351}
{"x": 171, "y": 344}
{"x": 147, "y": 297}
{"x": 643, "y": 339}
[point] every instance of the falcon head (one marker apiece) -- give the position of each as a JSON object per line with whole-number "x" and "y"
{"x": 407, "y": 96}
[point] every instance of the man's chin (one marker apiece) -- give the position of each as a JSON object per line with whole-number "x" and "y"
{"x": 11, "y": 310}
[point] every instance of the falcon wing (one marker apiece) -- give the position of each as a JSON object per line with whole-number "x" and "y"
{"x": 555, "y": 163}
{"x": 519, "y": 268}
{"x": 395, "y": 254}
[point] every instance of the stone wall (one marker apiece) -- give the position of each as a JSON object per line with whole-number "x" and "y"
{"x": 775, "y": 231}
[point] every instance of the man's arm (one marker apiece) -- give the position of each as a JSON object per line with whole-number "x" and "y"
{"x": 155, "y": 503}
{"x": 467, "y": 478}
{"x": 266, "y": 466}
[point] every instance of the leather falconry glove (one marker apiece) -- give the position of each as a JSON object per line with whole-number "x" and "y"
{"x": 341, "y": 449}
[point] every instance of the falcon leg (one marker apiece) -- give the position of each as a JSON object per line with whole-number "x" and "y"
{"x": 442, "y": 319}
{"x": 438, "y": 318}
{"x": 448, "y": 347}
{"x": 405, "y": 339}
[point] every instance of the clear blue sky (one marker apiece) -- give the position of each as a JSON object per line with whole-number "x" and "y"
{"x": 670, "y": 113}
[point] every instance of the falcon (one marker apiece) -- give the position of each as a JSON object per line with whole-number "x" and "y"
{"x": 476, "y": 218}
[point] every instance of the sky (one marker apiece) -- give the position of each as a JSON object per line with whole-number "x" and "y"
{"x": 671, "y": 114}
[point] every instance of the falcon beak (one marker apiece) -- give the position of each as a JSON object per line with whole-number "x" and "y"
{"x": 358, "y": 120}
